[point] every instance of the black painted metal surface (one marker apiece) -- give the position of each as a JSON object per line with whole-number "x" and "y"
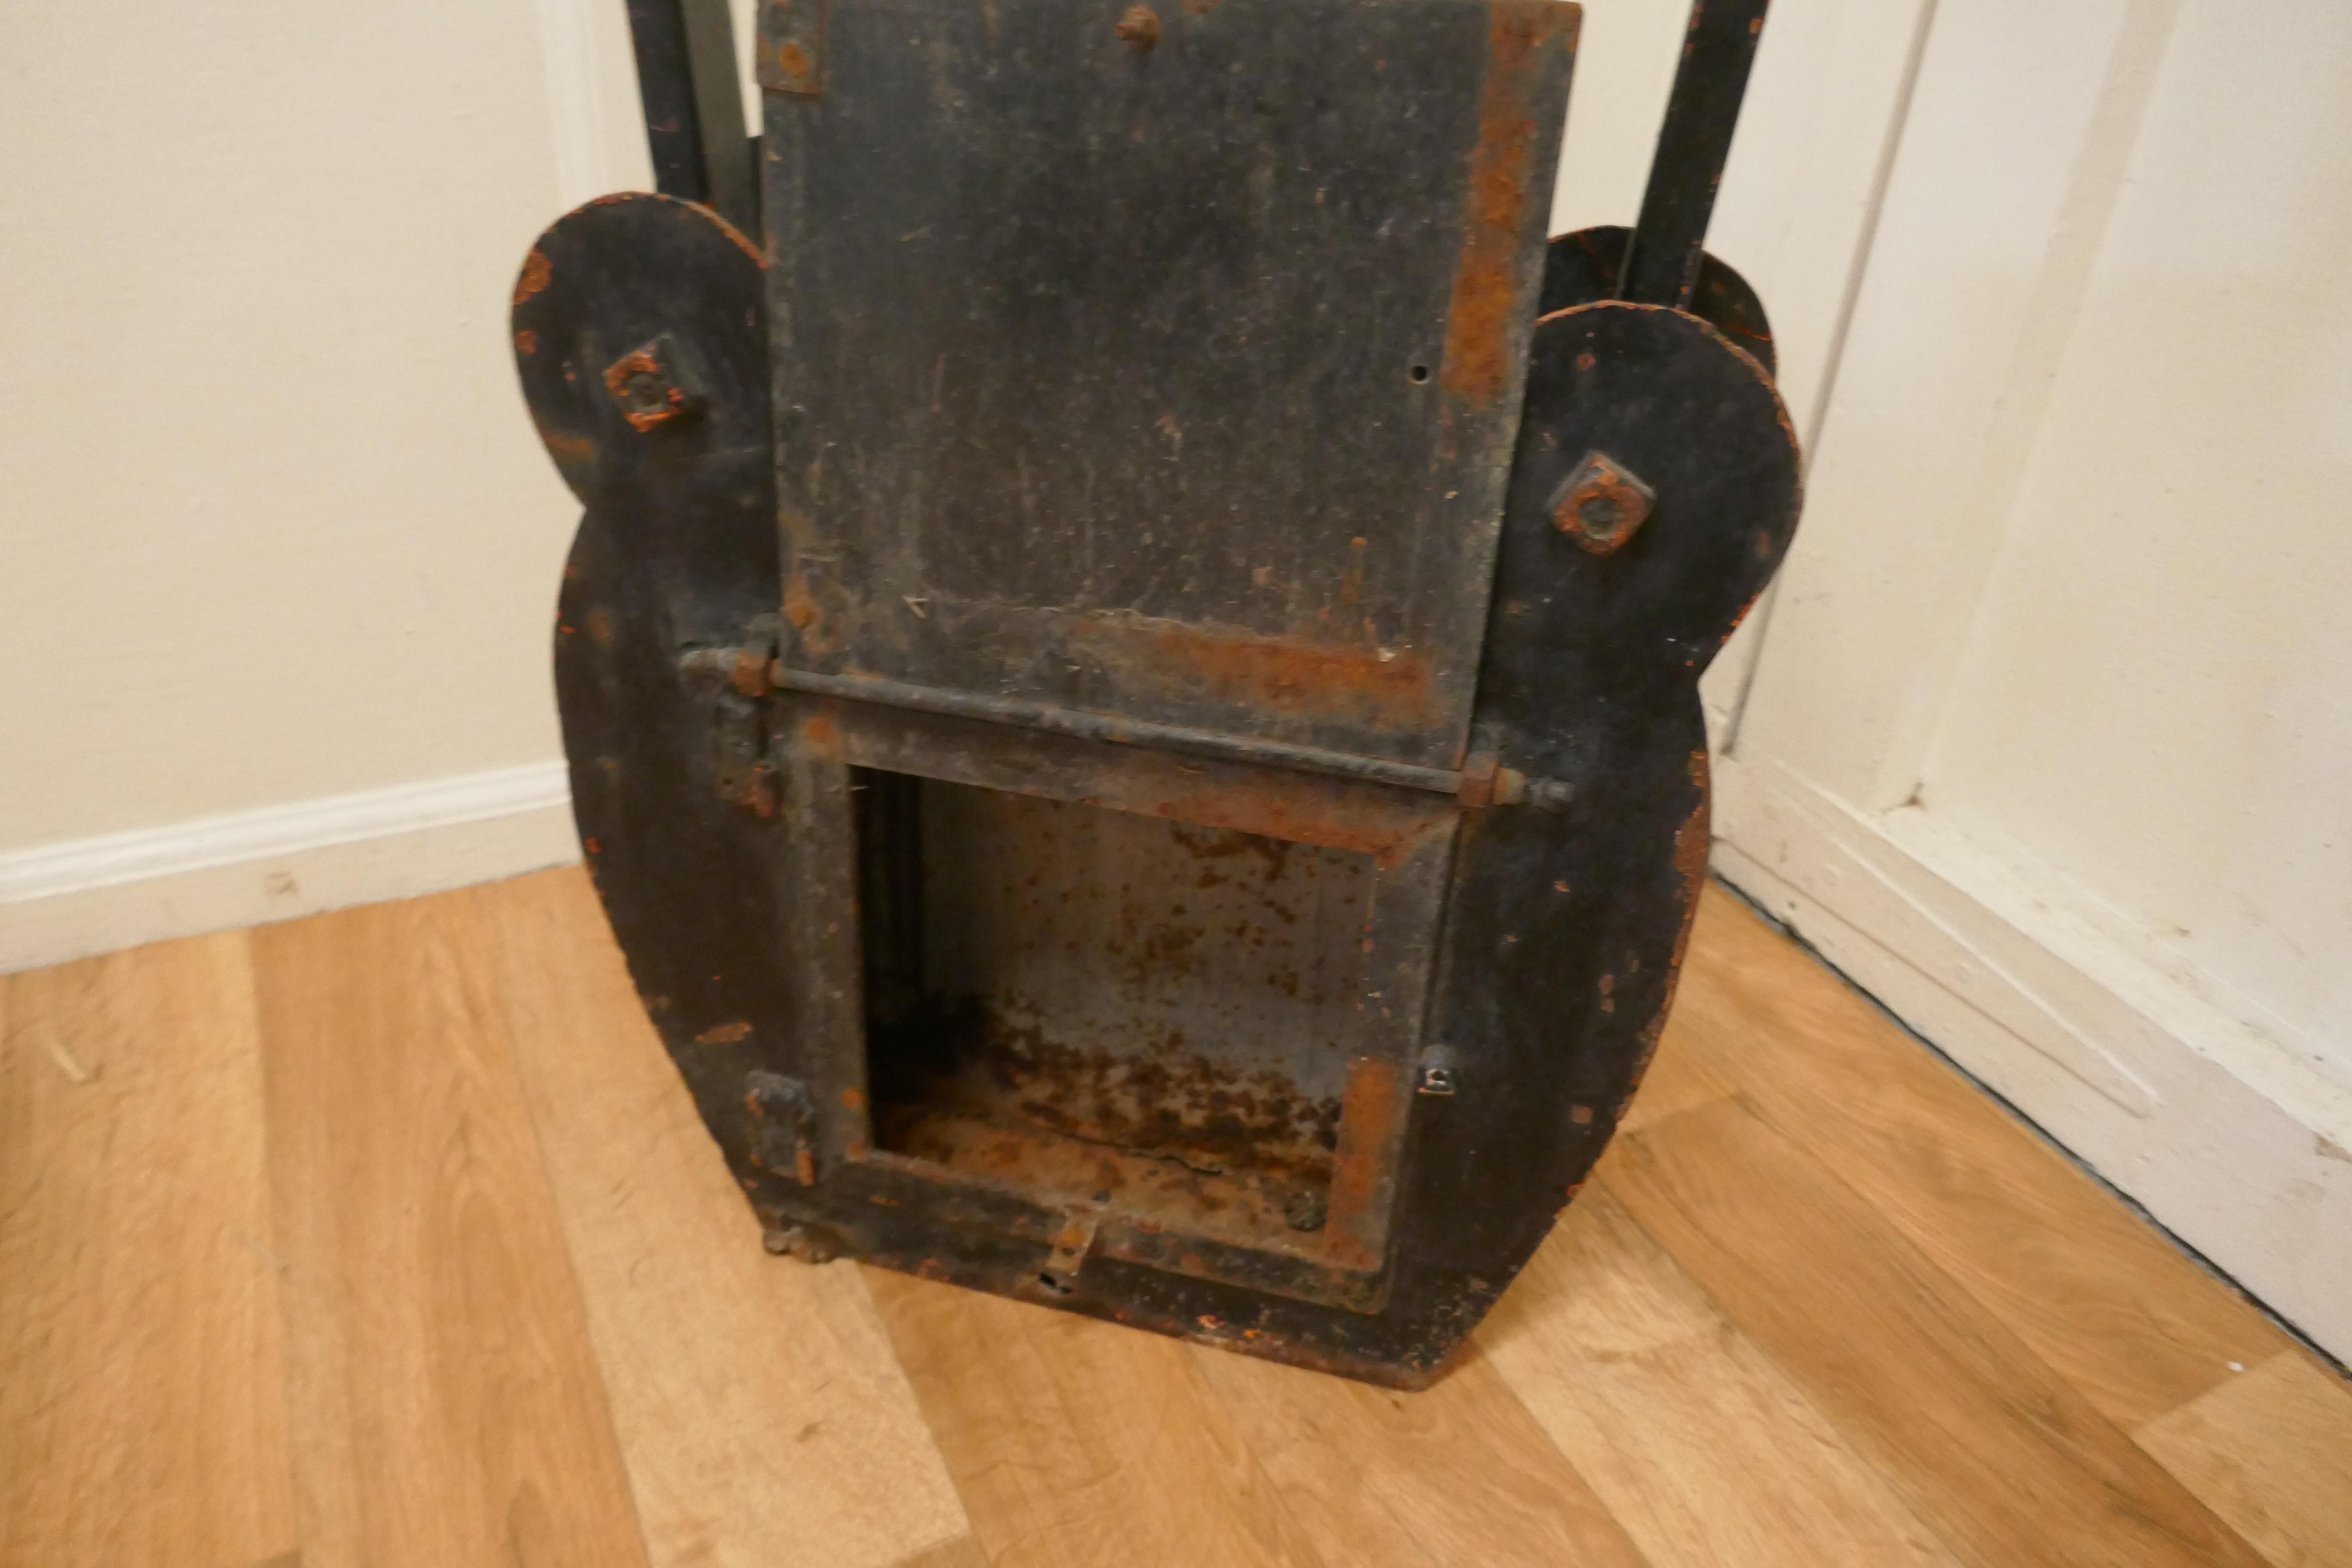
{"x": 1065, "y": 322}
{"x": 1190, "y": 973}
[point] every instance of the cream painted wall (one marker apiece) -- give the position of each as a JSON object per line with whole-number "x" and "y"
{"x": 2049, "y": 742}
{"x": 276, "y": 525}
{"x": 2181, "y": 547}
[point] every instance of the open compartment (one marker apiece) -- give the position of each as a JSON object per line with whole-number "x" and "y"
{"x": 1107, "y": 1009}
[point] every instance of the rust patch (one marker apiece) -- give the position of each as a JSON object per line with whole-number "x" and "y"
{"x": 1485, "y": 297}
{"x": 1286, "y": 677}
{"x": 600, "y": 626}
{"x": 579, "y": 448}
{"x": 807, "y": 612}
{"x": 822, "y": 736}
{"x": 538, "y": 272}
{"x": 1329, "y": 819}
{"x": 1168, "y": 1141}
{"x": 750, "y": 673}
{"x": 1173, "y": 1105}
{"x": 744, "y": 243}
{"x": 724, "y": 1034}
{"x": 1691, "y": 842}
{"x": 1364, "y": 1169}
{"x": 755, "y": 791}
{"x": 1140, "y": 27}
{"x": 525, "y": 342}
{"x": 1481, "y": 774}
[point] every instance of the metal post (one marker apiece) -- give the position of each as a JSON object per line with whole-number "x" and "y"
{"x": 1662, "y": 256}
{"x": 693, "y": 108}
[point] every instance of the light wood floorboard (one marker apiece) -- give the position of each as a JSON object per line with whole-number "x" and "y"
{"x": 389, "y": 1237}
{"x": 445, "y": 1403}
{"x": 1702, "y": 1446}
{"x": 143, "y": 1417}
{"x": 792, "y": 1419}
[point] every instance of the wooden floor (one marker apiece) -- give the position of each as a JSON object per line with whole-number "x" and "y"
{"x": 388, "y": 1236}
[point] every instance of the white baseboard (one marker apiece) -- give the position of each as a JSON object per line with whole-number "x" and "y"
{"x": 67, "y": 900}
{"x": 2237, "y": 1146}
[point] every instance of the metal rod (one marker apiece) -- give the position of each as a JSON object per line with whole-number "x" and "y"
{"x": 1104, "y": 727}
{"x": 1661, "y": 255}
{"x": 693, "y": 106}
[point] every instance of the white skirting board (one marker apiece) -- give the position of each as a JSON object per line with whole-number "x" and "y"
{"x": 94, "y": 895}
{"x": 2232, "y": 1143}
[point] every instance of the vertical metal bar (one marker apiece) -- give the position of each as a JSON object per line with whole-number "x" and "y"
{"x": 1661, "y": 255}
{"x": 693, "y": 108}
{"x": 824, "y": 950}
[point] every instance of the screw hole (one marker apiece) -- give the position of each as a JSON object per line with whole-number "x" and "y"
{"x": 1053, "y": 1283}
{"x": 1418, "y": 373}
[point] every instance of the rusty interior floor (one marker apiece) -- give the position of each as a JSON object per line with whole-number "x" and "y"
{"x": 1187, "y": 1073}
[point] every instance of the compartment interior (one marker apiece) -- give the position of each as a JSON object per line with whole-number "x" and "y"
{"x": 1101, "y": 1007}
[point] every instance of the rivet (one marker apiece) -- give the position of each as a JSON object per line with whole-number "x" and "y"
{"x": 1139, "y": 27}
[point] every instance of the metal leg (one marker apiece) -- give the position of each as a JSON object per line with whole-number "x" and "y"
{"x": 693, "y": 106}
{"x": 1662, "y": 258}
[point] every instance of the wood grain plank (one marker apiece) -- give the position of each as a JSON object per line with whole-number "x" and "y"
{"x": 1677, "y": 1080}
{"x": 1458, "y": 1473}
{"x": 1698, "y": 1444}
{"x": 2001, "y": 1457}
{"x": 141, "y": 1371}
{"x": 1078, "y": 1443}
{"x": 444, "y": 1400}
{"x": 759, "y": 1403}
{"x": 2097, "y": 1294}
{"x": 1037, "y": 1493}
{"x": 2271, "y": 1452}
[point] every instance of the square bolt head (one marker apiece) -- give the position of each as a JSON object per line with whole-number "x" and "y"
{"x": 1601, "y": 503}
{"x": 649, "y": 385}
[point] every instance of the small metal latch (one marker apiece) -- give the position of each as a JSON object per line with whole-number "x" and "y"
{"x": 1071, "y": 1244}
{"x": 781, "y": 1123}
{"x": 1436, "y": 1074}
{"x": 743, "y": 769}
